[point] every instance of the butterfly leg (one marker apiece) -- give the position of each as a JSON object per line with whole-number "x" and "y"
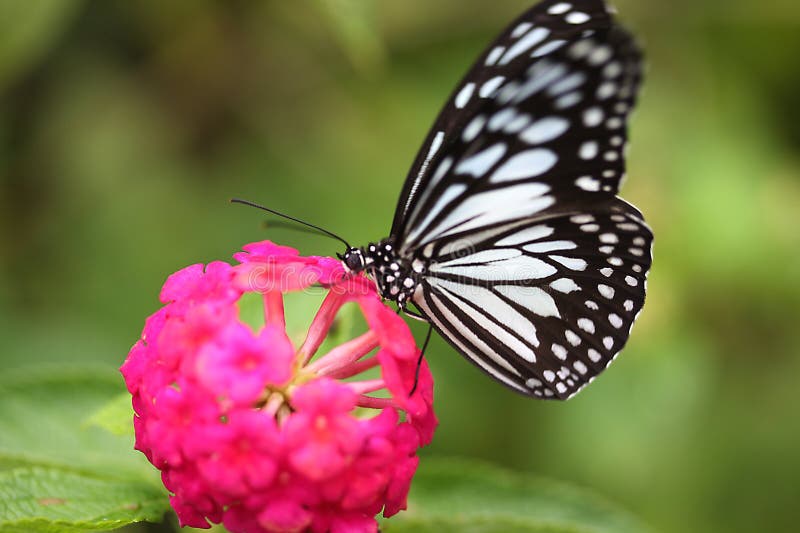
{"x": 419, "y": 360}
{"x": 413, "y": 314}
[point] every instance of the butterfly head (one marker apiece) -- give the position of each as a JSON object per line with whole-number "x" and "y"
{"x": 353, "y": 260}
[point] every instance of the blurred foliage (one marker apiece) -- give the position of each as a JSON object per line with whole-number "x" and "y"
{"x": 126, "y": 126}
{"x": 61, "y": 474}
{"x": 469, "y": 497}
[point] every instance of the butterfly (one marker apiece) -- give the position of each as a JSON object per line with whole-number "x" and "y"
{"x": 509, "y": 237}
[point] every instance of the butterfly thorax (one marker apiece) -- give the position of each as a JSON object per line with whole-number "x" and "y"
{"x": 394, "y": 274}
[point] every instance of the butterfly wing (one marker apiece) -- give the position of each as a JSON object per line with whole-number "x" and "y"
{"x": 542, "y": 307}
{"x": 535, "y": 269}
{"x": 539, "y": 121}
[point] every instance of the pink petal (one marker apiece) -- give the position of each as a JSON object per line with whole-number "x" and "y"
{"x": 393, "y": 332}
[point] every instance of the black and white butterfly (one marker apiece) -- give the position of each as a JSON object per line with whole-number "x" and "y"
{"x": 508, "y": 236}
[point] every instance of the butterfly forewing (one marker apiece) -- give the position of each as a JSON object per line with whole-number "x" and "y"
{"x": 539, "y": 31}
{"x": 541, "y": 307}
{"x": 552, "y": 131}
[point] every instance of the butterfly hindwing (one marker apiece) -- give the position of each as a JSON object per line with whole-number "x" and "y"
{"x": 542, "y": 307}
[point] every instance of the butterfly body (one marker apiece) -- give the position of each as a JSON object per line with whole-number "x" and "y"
{"x": 396, "y": 277}
{"x": 509, "y": 236}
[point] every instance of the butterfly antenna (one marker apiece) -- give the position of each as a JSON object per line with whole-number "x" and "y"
{"x": 288, "y": 224}
{"x": 283, "y": 215}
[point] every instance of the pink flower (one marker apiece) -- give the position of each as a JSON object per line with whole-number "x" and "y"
{"x": 262, "y": 436}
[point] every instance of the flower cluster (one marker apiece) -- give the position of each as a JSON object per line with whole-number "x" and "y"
{"x": 262, "y": 436}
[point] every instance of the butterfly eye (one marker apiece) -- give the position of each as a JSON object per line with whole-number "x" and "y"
{"x": 354, "y": 260}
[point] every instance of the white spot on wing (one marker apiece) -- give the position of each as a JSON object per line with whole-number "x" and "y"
{"x": 588, "y": 183}
{"x": 559, "y": 8}
{"x": 588, "y": 150}
{"x": 572, "y": 263}
{"x": 586, "y": 325}
{"x": 573, "y": 338}
{"x": 547, "y": 48}
{"x": 479, "y": 164}
{"x": 525, "y": 164}
{"x": 606, "y": 90}
{"x": 593, "y": 117}
{"x": 549, "y": 246}
{"x": 462, "y": 99}
{"x": 531, "y": 39}
{"x": 605, "y": 291}
{"x": 539, "y": 77}
{"x": 488, "y": 88}
{"x": 512, "y": 269}
{"x": 559, "y": 351}
{"x": 564, "y": 285}
{"x": 484, "y": 256}
{"x": 609, "y": 238}
{"x": 474, "y": 128}
{"x": 521, "y": 29}
{"x": 544, "y": 130}
{"x": 600, "y": 55}
{"x": 568, "y": 83}
{"x": 494, "y": 55}
{"x": 577, "y": 17}
{"x": 569, "y": 100}
{"x": 501, "y": 118}
{"x": 526, "y": 235}
{"x": 518, "y": 124}
{"x": 532, "y": 298}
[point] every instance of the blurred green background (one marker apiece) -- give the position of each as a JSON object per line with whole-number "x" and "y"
{"x": 126, "y": 126}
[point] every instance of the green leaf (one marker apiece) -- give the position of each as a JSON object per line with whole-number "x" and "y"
{"x": 60, "y": 471}
{"x": 52, "y": 500}
{"x": 43, "y": 416}
{"x": 115, "y": 416}
{"x": 462, "y": 496}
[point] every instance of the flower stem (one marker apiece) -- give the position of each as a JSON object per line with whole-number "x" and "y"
{"x": 274, "y": 403}
{"x": 273, "y": 309}
{"x": 363, "y": 387}
{"x": 376, "y": 403}
{"x": 319, "y": 327}
{"x": 345, "y": 354}
{"x": 353, "y": 369}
